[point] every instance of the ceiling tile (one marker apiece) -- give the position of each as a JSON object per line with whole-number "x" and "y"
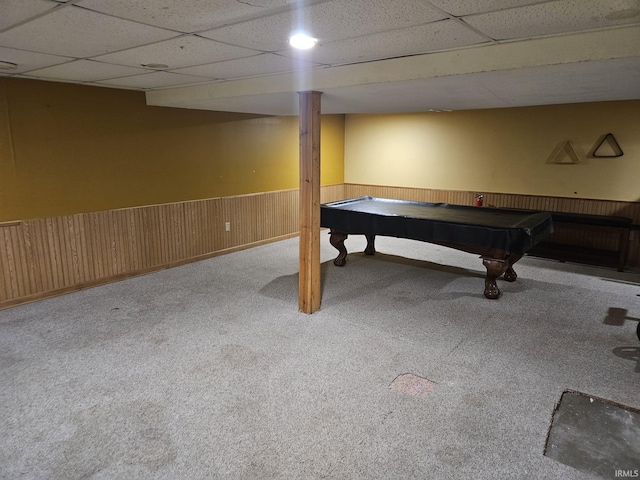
{"x": 15, "y": 11}
{"x": 77, "y": 32}
{"x": 184, "y": 51}
{"x": 459, "y": 8}
{"x": 578, "y": 82}
{"x": 85, "y": 71}
{"x": 274, "y": 104}
{"x": 329, "y": 21}
{"x": 448, "y": 93}
{"x": 263, "y": 64}
{"x": 26, "y": 61}
{"x": 555, "y": 18}
{"x": 186, "y": 15}
{"x": 152, "y": 80}
{"x": 431, "y": 37}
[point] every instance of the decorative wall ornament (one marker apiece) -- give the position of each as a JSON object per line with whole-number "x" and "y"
{"x": 607, "y": 147}
{"x": 565, "y": 154}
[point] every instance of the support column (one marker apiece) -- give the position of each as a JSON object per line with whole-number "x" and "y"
{"x": 309, "y": 286}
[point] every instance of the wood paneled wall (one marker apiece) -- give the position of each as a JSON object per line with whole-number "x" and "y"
{"x": 582, "y": 238}
{"x": 50, "y": 256}
{"x": 45, "y": 257}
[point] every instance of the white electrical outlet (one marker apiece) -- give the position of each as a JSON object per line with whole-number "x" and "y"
{"x": 227, "y": 226}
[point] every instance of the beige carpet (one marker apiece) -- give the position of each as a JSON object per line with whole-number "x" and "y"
{"x": 209, "y": 371}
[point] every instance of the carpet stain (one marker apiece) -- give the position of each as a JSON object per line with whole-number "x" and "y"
{"x": 7, "y": 361}
{"x": 130, "y": 434}
{"x": 413, "y": 385}
{"x": 238, "y": 356}
{"x": 81, "y": 331}
{"x": 159, "y": 339}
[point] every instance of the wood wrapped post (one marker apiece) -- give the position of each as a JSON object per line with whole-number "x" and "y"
{"x": 309, "y": 285}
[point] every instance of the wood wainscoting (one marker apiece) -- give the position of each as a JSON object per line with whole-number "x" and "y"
{"x": 46, "y": 257}
{"x": 50, "y": 256}
{"x": 593, "y": 240}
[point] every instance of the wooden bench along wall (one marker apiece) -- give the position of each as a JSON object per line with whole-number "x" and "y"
{"x": 51, "y": 256}
{"x": 591, "y": 225}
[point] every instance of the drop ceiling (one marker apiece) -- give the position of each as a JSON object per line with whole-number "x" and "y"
{"x": 372, "y": 56}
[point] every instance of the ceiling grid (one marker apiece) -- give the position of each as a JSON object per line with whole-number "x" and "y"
{"x": 232, "y": 55}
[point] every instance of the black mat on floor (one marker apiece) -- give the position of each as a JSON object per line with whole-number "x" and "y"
{"x": 595, "y": 435}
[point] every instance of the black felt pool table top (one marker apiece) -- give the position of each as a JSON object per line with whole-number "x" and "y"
{"x": 442, "y": 212}
{"x": 508, "y": 230}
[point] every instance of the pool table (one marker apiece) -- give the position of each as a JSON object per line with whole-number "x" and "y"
{"x": 500, "y": 236}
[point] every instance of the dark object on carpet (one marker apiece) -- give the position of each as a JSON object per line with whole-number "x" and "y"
{"x": 595, "y": 436}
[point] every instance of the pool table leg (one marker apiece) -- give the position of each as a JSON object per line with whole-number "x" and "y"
{"x": 495, "y": 268}
{"x": 371, "y": 249}
{"x": 337, "y": 240}
{"x": 510, "y": 275}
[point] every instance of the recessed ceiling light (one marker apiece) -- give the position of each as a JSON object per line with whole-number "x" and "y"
{"x": 155, "y": 65}
{"x": 302, "y": 41}
{"x": 8, "y": 65}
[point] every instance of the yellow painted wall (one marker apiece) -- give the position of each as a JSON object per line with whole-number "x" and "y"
{"x": 498, "y": 150}
{"x": 68, "y": 149}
